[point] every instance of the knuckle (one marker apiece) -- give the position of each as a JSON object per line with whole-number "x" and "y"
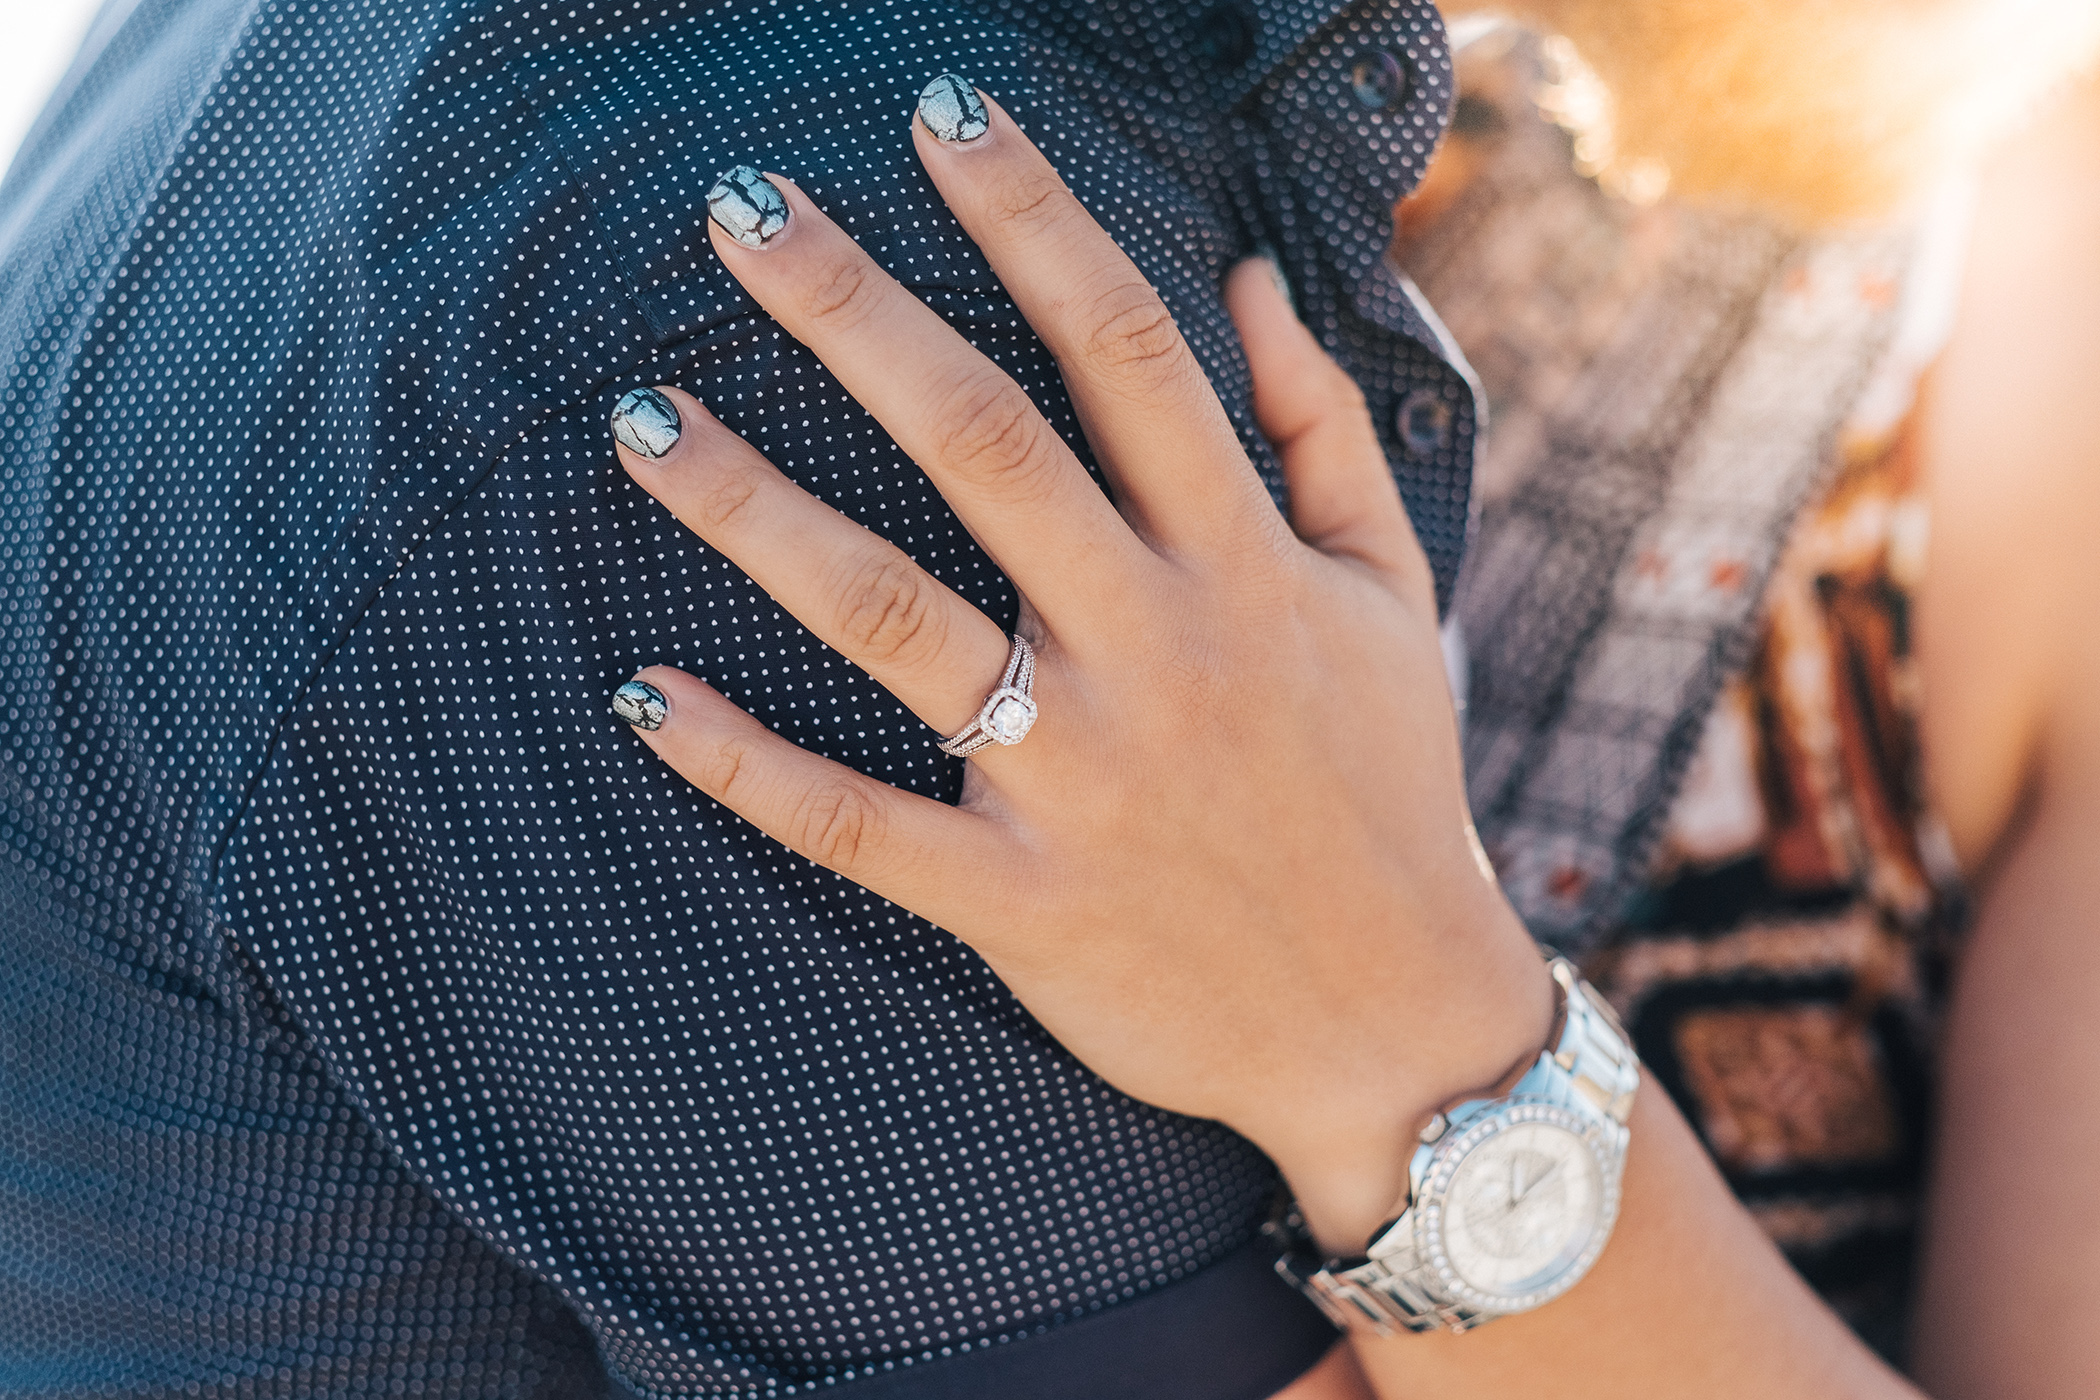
{"x": 722, "y": 770}
{"x": 1033, "y": 202}
{"x": 1133, "y": 336}
{"x": 835, "y": 825}
{"x": 890, "y": 612}
{"x": 721, "y": 499}
{"x": 989, "y": 431}
{"x": 843, "y": 293}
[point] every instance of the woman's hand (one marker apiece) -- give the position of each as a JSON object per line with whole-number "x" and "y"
{"x": 1230, "y": 867}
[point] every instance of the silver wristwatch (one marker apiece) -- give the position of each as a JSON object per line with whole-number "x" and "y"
{"x": 1510, "y": 1200}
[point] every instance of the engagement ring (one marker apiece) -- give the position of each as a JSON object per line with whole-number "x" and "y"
{"x": 1007, "y": 713}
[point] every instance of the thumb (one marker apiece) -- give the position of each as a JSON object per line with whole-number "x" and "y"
{"x": 1343, "y": 500}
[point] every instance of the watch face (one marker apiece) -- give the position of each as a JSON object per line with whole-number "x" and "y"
{"x": 1524, "y": 1206}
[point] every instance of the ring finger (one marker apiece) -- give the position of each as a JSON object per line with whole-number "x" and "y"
{"x": 860, "y": 594}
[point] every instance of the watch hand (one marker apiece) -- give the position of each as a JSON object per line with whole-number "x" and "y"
{"x": 1540, "y": 1180}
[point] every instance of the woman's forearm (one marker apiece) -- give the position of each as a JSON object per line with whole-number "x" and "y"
{"x": 1689, "y": 1299}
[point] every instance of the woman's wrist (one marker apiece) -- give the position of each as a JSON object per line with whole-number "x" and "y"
{"x": 1346, "y": 1159}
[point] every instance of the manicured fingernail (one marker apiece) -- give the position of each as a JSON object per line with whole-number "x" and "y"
{"x": 953, "y": 111}
{"x": 748, "y": 207}
{"x": 641, "y": 705}
{"x": 646, "y": 422}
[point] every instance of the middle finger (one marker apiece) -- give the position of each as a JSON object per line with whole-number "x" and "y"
{"x": 1149, "y": 409}
{"x": 1010, "y": 479}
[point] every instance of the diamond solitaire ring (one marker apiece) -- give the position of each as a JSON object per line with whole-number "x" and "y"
{"x": 1007, "y": 713}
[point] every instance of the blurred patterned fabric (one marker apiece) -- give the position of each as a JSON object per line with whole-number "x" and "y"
{"x": 1691, "y": 724}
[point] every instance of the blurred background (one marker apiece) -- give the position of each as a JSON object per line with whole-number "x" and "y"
{"x": 37, "y": 37}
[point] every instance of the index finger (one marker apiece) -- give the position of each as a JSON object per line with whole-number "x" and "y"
{"x": 1148, "y": 408}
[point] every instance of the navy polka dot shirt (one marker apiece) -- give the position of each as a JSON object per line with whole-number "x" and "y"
{"x": 379, "y": 1016}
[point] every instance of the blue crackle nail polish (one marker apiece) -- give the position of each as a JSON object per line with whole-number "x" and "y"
{"x": 747, "y": 206}
{"x": 645, "y": 421}
{"x": 641, "y": 705}
{"x": 952, "y": 110}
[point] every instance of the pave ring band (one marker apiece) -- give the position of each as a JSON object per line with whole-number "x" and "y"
{"x": 1007, "y": 713}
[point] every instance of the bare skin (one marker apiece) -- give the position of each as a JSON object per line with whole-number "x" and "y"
{"x": 1091, "y": 870}
{"x": 2012, "y": 665}
{"x": 1687, "y": 1299}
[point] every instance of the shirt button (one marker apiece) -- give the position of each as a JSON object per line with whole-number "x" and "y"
{"x": 1224, "y": 36}
{"x": 1423, "y": 422}
{"x": 1379, "y": 80}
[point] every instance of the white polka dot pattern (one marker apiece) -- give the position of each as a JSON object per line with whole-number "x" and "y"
{"x": 384, "y": 1017}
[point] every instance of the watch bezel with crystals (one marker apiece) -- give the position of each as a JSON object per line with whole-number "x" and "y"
{"x": 1432, "y": 1200}
{"x": 1584, "y": 1083}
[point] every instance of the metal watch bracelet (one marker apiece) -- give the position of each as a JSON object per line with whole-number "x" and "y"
{"x": 1588, "y": 1073}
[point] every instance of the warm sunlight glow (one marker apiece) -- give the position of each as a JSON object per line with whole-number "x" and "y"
{"x": 1824, "y": 109}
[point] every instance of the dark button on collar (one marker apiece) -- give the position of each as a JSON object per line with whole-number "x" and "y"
{"x": 1224, "y": 36}
{"x": 1380, "y": 80}
{"x": 1423, "y": 422}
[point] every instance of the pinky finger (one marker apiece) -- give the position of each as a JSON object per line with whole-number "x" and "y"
{"x": 903, "y": 847}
